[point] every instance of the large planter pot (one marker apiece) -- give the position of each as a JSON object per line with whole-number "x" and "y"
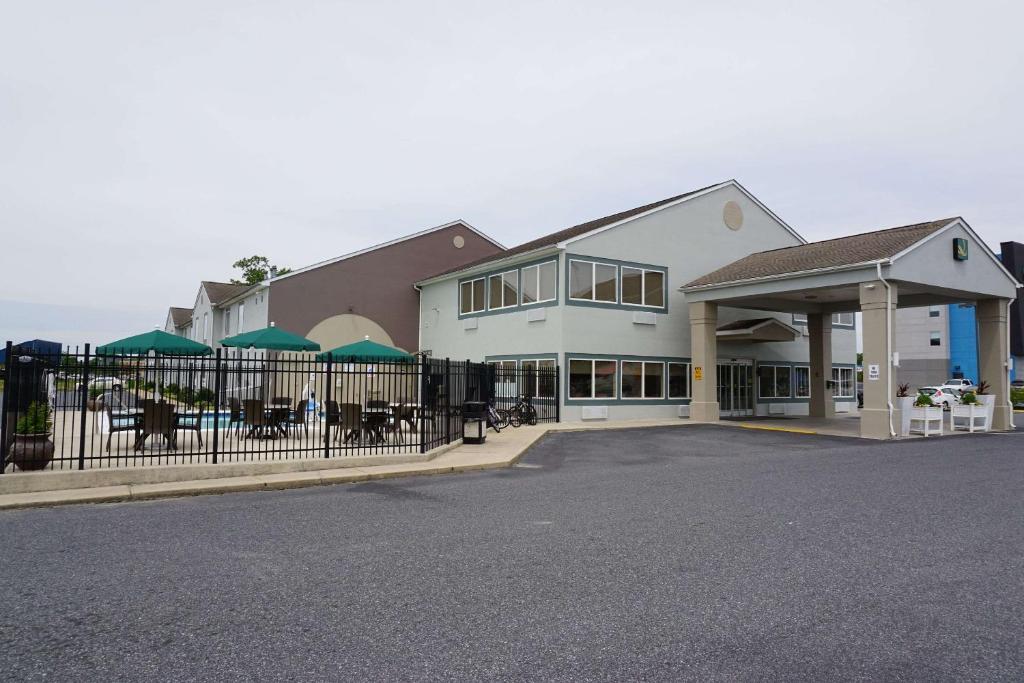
{"x": 905, "y": 404}
{"x": 31, "y": 451}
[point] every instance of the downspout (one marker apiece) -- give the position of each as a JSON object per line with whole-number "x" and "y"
{"x": 888, "y": 346}
{"x": 1007, "y": 361}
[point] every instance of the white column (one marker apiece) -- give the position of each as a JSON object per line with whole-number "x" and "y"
{"x": 704, "y": 357}
{"x": 819, "y": 327}
{"x": 878, "y": 309}
{"x": 994, "y": 357}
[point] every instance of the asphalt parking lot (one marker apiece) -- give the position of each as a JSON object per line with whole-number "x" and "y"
{"x": 678, "y": 553}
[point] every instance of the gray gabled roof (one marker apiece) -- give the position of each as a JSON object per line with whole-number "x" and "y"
{"x": 835, "y": 253}
{"x": 222, "y": 291}
{"x": 181, "y": 316}
{"x": 554, "y": 238}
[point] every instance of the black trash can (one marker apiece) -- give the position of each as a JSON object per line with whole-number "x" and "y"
{"x": 474, "y": 422}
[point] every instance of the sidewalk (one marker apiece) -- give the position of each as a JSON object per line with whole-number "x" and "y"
{"x": 499, "y": 451}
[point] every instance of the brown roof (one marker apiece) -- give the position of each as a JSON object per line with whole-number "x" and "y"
{"x": 222, "y": 291}
{"x": 181, "y": 316}
{"x": 843, "y": 251}
{"x": 574, "y": 231}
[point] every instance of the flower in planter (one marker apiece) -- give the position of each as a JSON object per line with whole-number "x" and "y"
{"x": 924, "y": 401}
{"x": 969, "y": 399}
{"x": 902, "y": 390}
{"x": 36, "y": 420}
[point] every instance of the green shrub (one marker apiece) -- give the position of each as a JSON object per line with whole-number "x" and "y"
{"x": 204, "y": 395}
{"x": 924, "y": 401}
{"x": 969, "y": 399}
{"x": 36, "y": 420}
{"x": 1017, "y": 395}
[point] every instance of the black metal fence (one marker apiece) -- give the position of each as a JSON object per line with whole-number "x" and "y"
{"x": 80, "y": 411}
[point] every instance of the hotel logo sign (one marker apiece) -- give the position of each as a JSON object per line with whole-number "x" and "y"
{"x": 959, "y": 248}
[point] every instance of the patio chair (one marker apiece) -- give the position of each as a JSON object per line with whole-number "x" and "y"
{"x": 128, "y": 423}
{"x": 281, "y": 401}
{"x": 377, "y": 405}
{"x": 332, "y": 418}
{"x": 235, "y": 415}
{"x": 254, "y": 418}
{"x": 350, "y": 421}
{"x": 191, "y": 422}
{"x": 157, "y": 420}
{"x": 298, "y": 417}
{"x": 400, "y": 414}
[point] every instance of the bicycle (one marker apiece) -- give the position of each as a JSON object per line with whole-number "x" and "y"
{"x": 523, "y": 412}
{"x": 496, "y": 419}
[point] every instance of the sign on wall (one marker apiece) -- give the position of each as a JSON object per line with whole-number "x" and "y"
{"x": 873, "y": 371}
{"x": 959, "y": 248}
{"x": 698, "y": 373}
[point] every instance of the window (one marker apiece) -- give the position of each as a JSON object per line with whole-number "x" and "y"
{"x": 241, "y": 317}
{"x": 539, "y": 378}
{"x": 641, "y": 287}
{"x": 643, "y": 379}
{"x": 799, "y": 318}
{"x": 539, "y": 283}
{"x": 842, "y": 382}
{"x": 471, "y": 296}
{"x": 504, "y": 289}
{"x": 206, "y": 327}
{"x": 773, "y": 381}
{"x": 591, "y": 281}
{"x": 227, "y": 323}
{"x": 679, "y": 380}
{"x": 592, "y": 378}
{"x": 504, "y": 371}
{"x": 934, "y": 311}
{"x": 935, "y": 339}
{"x": 842, "y": 318}
{"x": 801, "y": 382}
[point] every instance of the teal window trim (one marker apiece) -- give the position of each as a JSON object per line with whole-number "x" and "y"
{"x": 835, "y": 325}
{"x": 618, "y": 400}
{"x": 518, "y": 358}
{"x": 793, "y": 398}
{"x": 519, "y": 305}
{"x": 619, "y": 265}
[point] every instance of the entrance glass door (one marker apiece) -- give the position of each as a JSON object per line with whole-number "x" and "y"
{"x": 736, "y": 387}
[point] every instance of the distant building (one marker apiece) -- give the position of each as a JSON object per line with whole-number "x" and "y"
{"x": 367, "y": 293}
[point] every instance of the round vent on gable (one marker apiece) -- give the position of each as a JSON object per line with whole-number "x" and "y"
{"x": 459, "y": 241}
{"x": 732, "y": 214}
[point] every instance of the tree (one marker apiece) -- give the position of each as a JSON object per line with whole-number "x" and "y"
{"x": 255, "y": 269}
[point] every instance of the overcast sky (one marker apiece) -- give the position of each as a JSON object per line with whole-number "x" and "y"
{"x": 145, "y": 146}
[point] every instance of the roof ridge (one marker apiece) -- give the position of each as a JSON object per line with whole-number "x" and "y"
{"x": 579, "y": 229}
{"x": 942, "y": 221}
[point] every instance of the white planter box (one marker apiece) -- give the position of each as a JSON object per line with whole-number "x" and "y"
{"x": 926, "y": 421}
{"x": 905, "y": 405}
{"x": 970, "y": 418}
{"x": 989, "y": 401}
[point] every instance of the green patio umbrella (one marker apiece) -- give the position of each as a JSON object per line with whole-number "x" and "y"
{"x": 156, "y": 341}
{"x": 271, "y": 338}
{"x": 366, "y": 351}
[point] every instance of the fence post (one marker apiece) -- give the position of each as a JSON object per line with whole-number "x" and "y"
{"x": 85, "y": 410}
{"x": 424, "y": 389}
{"x": 216, "y": 407}
{"x": 3, "y": 413}
{"x": 558, "y": 393}
{"x": 327, "y": 408}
